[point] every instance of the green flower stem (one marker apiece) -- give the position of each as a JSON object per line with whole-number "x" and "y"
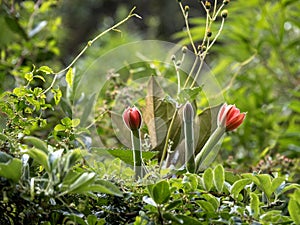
{"x": 167, "y": 139}
{"x": 137, "y": 157}
{"x": 189, "y": 146}
{"x": 208, "y": 147}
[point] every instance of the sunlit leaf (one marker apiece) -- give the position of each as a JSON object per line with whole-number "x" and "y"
{"x": 36, "y": 142}
{"x": 161, "y": 192}
{"x": 70, "y": 77}
{"x": 219, "y": 177}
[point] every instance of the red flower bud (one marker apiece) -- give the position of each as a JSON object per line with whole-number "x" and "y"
{"x": 230, "y": 117}
{"x": 132, "y": 118}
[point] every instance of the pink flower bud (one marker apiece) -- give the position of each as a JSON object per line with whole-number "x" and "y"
{"x": 230, "y": 117}
{"x": 132, "y": 118}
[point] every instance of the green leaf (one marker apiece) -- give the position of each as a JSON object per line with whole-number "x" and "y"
{"x": 101, "y": 186}
{"x": 67, "y": 122}
{"x": 10, "y": 168}
{"x": 57, "y": 94}
{"x": 208, "y": 179}
{"x": 70, "y": 77}
{"x": 238, "y": 186}
{"x": 276, "y": 182}
{"x": 212, "y": 200}
{"x": 219, "y": 177}
{"x": 289, "y": 187}
{"x": 81, "y": 183}
{"x": 254, "y": 205}
{"x": 126, "y": 155}
{"x": 3, "y": 137}
{"x": 28, "y": 77}
{"x": 206, "y": 206}
{"x": 189, "y": 94}
{"x": 75, "y": 122}
{"x": 190, "y": 181}
{"x": 40, "y": 157}
{"x": 294, "y": 206}
{"x": 59, "y": 127}
{"x": 265, "y": 184}
{"x": 36, "y": 142}
{"x": 188, "y": 220}
{"x": 15, "y": 26}
{"x": 46, "y": 70}
{"x": 173, "y": 218}
{"x": 71, "y": 158}
{"x": 161, "y": 192}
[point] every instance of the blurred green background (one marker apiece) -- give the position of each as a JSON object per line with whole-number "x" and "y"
{"x": 256, "y": 59}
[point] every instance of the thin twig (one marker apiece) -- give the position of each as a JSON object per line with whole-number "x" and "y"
{"x": 131, "y": 14}
{"x": 185, "y": 15}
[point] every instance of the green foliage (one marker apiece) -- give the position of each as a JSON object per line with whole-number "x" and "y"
{"x": 50, "y": 174}
{"x": 209, "y": 199}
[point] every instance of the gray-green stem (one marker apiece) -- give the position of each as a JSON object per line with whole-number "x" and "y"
{"x": 137, "y": 156}
{"x": 209, "y": 146}
{"x": 189, "y": 146}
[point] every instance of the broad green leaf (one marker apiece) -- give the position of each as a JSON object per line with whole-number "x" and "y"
{"x": 70, "y": 77}
{"x": 294, "y": 210}
{"x": 276, "y": 182}
{"x": 238, "y": 186}
{"x": 206, "y": 206}
{"x": 173, "y": 218}
{"x": 190, "y": 181}
{"x": 92, "y": 219}
{"x": 67, "y": 122}
{"x": 82, "y": 182}
{"x": 251, "y": 177}
{"x": 208, "y": 179}
{"x": 254, "y": 205}
{"x": 10, "y": 168}
{"x": 40, "y": 157}
{"x": 174, "y": 204}
{"x": 75, "y": 122}
{"x": 71, "y": 158}
{"x": 45, "y": 69}
{"x": 158, "y": 114}
{"x": 219, "y": 177}
{"x": 265, "y": 184}
{"x": 161, "y": 192}
{"x": 212, "y": 200}
{"x": 59, "y": 127}
{"x": 289, "y": 187}
{"x": 101, "y": 186}
{"x": 36, "y": 142}
{"x": 187, "y": 220}
{"x": 230, "y": 177}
